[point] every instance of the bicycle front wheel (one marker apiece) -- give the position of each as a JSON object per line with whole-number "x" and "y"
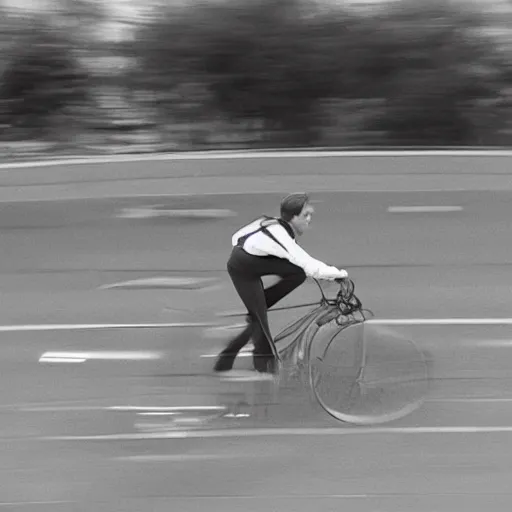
{"x": 365, "y": 374}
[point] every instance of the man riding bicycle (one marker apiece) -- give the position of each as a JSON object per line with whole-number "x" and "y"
{"x": 267, "y": 246}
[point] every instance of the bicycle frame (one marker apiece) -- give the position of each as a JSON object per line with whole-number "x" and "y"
{"x": 344, "y": 308}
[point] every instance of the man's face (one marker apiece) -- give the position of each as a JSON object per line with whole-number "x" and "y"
{"x": 301, "y": 222}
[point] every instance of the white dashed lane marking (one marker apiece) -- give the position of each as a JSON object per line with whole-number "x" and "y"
{"x": 89, "y": 327}
{"x": 152, "y": 212}
{"x": 424, "y": 209}
{"x": 185, "y": 457}
{"x": 183, "y": 283}
{"x": 157, "y": 408}
{"x": 33, "y": 504}
{"x": 82, "y": 357}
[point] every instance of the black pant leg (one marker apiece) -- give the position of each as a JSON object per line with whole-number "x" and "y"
{"x": 283, "y": 287}
{"x": 245, "y": 272}
{"x": 251, "y": 291}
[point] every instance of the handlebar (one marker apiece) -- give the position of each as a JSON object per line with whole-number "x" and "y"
{"x": 346, "y": 300}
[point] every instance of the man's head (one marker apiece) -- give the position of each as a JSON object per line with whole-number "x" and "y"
{"x": 297, "y": 211}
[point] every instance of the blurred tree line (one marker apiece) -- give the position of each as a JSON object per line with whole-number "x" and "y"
{"x": 268, "y": 73}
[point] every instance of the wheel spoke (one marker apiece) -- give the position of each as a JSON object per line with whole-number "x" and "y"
{"x": 368, "y": 378}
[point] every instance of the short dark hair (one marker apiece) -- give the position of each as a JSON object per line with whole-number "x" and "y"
{"x": 292, "y": 205}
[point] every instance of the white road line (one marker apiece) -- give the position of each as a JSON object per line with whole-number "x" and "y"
{"x": 490, "y": 343}
{"x": 86, "y": 327}
{"x": 33, "y": 503}
{"x": 63, "y": 408}
{"x": 162, "y": 282}
{"x": 173, "y": 410}
{"x": 245, "y": 155}
{"x": 478, "y": 343}
{"x": 149, "y": 213}
{"x": 470, "y": 400}
{"x": 176, "y": 408}
{"x": 211, "y": 356}
{"x": 82, "y": 357}
{"x": 299, "y": 497}
{"x": 424, "y": 209}
{"x": 400, "y": 321}
{"x": 157, "y": 413}
{"x": 61, "y": 360}
{"x": 440, "y": 321}
{"x": 157, "y": 325}
{"x": 184, "y": 457}
{"x": 317, "y": 497}
{"x": 269, "y": 432}
{"x": 121, "y": 408}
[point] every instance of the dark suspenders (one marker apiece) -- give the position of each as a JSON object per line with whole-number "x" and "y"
{"x": 263, "y": 229}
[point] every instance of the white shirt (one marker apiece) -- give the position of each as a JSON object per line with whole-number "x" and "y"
{"x": 261, "y": 244}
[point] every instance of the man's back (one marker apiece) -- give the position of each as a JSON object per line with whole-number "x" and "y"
{"x": 265, "y": 236}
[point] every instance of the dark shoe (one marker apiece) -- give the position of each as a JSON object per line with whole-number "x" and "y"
{"x": 266, "y": 364}
{"x": 224, "y": 363}
{"x": 273, "y": 366}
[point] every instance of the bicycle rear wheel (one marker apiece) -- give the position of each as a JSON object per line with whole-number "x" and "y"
{"x": 365, "y": 374}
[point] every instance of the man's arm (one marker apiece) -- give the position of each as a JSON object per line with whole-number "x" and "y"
{"x": 298, "y": 256}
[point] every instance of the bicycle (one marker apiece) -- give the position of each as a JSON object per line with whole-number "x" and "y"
{"x": 356, "y": 376}
{"x": 356, "y": 373}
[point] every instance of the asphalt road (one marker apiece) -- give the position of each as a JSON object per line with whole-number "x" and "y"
{"x": 78, "y": 436}
{"x": 405, "y": 264}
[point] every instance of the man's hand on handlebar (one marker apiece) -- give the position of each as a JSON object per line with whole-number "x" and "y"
{"x": 342, "y": 277}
